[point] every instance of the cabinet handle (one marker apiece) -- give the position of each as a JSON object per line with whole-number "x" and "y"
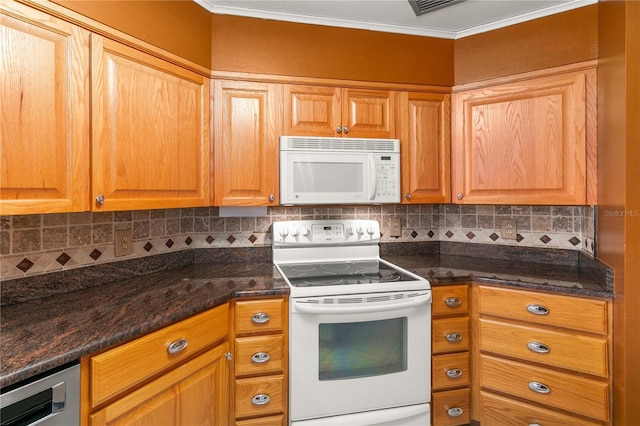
{"x": 100, "y": 199}
{"x": 346, "y": 129}
{"x": 228, "y": 356}
{"x": 407, "y": 196}
{"x": 534, "y": 424}
{"x": 272, "y": 197}
{"x": 537, "y": 347}
{"x": 454, "y": 337}
{"x": 459, "y": 196}
{"x": 260, "y": 357}
{"x": 260, "y": 318}
{"x": 454, "y": 373}
{"x": 539, "y": 387}
{"x": 455, "y": 412}
{"x": 339, "y": 129}
{"x": 177, "y": 346}
{"x": 260, "y": 399}
{"x": 452, "y": 302}
{"x": 537, "y": 309}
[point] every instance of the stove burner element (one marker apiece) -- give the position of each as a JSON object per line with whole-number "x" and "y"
{"x": 303, "y": 267}
{"x": 320, "y": 278}
{"x": 382, "y": 275}
{"x": 335, "y": 266}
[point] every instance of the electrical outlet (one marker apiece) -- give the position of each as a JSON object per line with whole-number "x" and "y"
{"x": 124, "y": 242}
{"x": 509, "y": 229}
{"x": 395, "y": 227}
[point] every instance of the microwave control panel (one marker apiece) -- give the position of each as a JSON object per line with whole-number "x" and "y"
{"x": 387, "y": 177}
{"x": 322, "y": 232}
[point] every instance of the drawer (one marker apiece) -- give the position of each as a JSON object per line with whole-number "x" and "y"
{"x": 247, "y": 391}
{"x": 451, "y": 408}
{"x": 260, "y": 316}
{"x": 576, "y": 313}
{"x": 259, "y": 354}
{"x": 498, "y": 410}
{"x": 450, "y": 371}
{"x": 568, "y": 392}
{"x": 132, "y": 363}
{"x": 450, "y": 299}
{"x": 585, "y": 354}
{"x": 450, "y": 334}
{"x": 263, "y": 421}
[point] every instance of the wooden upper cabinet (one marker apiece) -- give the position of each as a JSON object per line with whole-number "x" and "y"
{"x": 425, "y": 142}
{"x": 338, "y": 112}
{"x": 525, "y": 142}
{"x": 247, "y": 123}
{"x": 44, "y": 97}
{"x": 151, "y": 137}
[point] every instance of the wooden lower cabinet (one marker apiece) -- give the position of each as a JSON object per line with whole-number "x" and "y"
{"x": 195, "y": 393}
{"x": 451, "y": 408}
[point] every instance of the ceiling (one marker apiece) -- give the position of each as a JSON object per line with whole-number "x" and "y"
{"x": 397, "y": 16}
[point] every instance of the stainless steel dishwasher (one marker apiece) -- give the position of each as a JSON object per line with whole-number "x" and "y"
{"x": 51, "y": 400}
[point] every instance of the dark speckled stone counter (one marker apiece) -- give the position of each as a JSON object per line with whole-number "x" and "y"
{"x": 45, "y": 333}
{"x": 49, "y": 320}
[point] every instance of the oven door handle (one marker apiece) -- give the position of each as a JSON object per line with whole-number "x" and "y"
{"x": 360, "y": 308}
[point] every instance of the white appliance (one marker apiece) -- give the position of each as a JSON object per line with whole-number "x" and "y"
{"x": 339, "y": 170}
{"x": 359, "y": 327}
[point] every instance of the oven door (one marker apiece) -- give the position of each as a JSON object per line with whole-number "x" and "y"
{"x": 358, "y": 353}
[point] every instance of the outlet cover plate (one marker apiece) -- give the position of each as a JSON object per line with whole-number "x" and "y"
{"x": 123, "y": 242}
{"x": 395, "y": 227}
{"x": 509, "y": 229}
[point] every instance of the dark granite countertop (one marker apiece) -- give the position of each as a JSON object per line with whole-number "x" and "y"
{"x": 49, "y": 320}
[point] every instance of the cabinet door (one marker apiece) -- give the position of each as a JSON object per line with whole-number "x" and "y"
{"x": 521, "y": 143}
{"x": 44, "y": 97}
{"x": 368, "y": 113}
{"x": 150, "y": 131}
{"x": 424, "y": 122}
{"x": 195, "y": 393}
{"x": 311, "y": 110}
{"x": 248, "y": 122}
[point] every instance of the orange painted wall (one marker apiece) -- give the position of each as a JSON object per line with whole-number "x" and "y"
{"x": 284, "y": 48}
{"x": 560, "y": 39}
{"x": 181, "y": 27}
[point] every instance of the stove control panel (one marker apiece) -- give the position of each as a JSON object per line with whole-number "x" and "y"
{"x": 337, "y": 231}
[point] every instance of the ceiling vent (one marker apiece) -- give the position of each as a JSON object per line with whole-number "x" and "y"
{"x": 420, "y": 7}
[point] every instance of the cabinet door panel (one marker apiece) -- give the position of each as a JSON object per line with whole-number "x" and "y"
{"x": 522, "y": 143}
{"x": 311, "y": 110}
{"x": 44, "y": 97}
{"x": 248, "y": 120}
{"x": 150, "y": 130}
{"x": 195, "y": 393}
{"x": 368, "y": 113}
{"x": 425, "y": 147}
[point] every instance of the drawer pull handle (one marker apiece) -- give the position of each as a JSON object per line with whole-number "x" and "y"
{"x": 539, "y": 387}
{"x": 260, "y": 357}
{"x": 454, "y": 373}
{"x": 455, "y": 412}
{"x": 177, "y": 346}
{"x": 454, "y": 337}
{"x": 260, "y": 399}
{"x": 537, "y": 309}
{"x": 260, "y": 318}
{"x": 539, "y": 348}
{"x": 534, "y": 424}
{"x": 452, "y": 302}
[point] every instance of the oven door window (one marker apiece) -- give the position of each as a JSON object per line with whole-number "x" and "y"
{"x": 362, "y": 349}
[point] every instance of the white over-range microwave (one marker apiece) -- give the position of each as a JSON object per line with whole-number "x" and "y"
{"x": 319, "y": 170}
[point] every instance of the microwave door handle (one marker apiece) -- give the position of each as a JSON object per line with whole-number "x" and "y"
{"x": 372, "y": 173}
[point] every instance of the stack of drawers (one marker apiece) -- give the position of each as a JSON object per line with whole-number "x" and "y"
{"x": 544, "y": 358}
{"x": 260, "y": 362}
{"x": 451, "y": 375}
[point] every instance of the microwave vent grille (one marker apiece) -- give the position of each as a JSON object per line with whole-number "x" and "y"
{"x": 340, "y": 144}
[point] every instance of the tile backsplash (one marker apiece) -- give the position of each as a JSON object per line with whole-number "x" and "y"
{"x": 37, "y": 244}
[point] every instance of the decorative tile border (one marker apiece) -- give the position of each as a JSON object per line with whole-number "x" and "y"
{"x": 38, "y": 244}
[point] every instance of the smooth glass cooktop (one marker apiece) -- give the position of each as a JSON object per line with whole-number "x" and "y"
{"x": 342, "y": 273}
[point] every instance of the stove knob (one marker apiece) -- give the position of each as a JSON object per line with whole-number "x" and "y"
{"x": 305, "y": 232}
{"x": 295, "y": 232}
{"x": 360, "y": 231}
{"x": 350, "y": 230}
{"x": 370, "y": 230}
{"x": 284, "y": 232}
